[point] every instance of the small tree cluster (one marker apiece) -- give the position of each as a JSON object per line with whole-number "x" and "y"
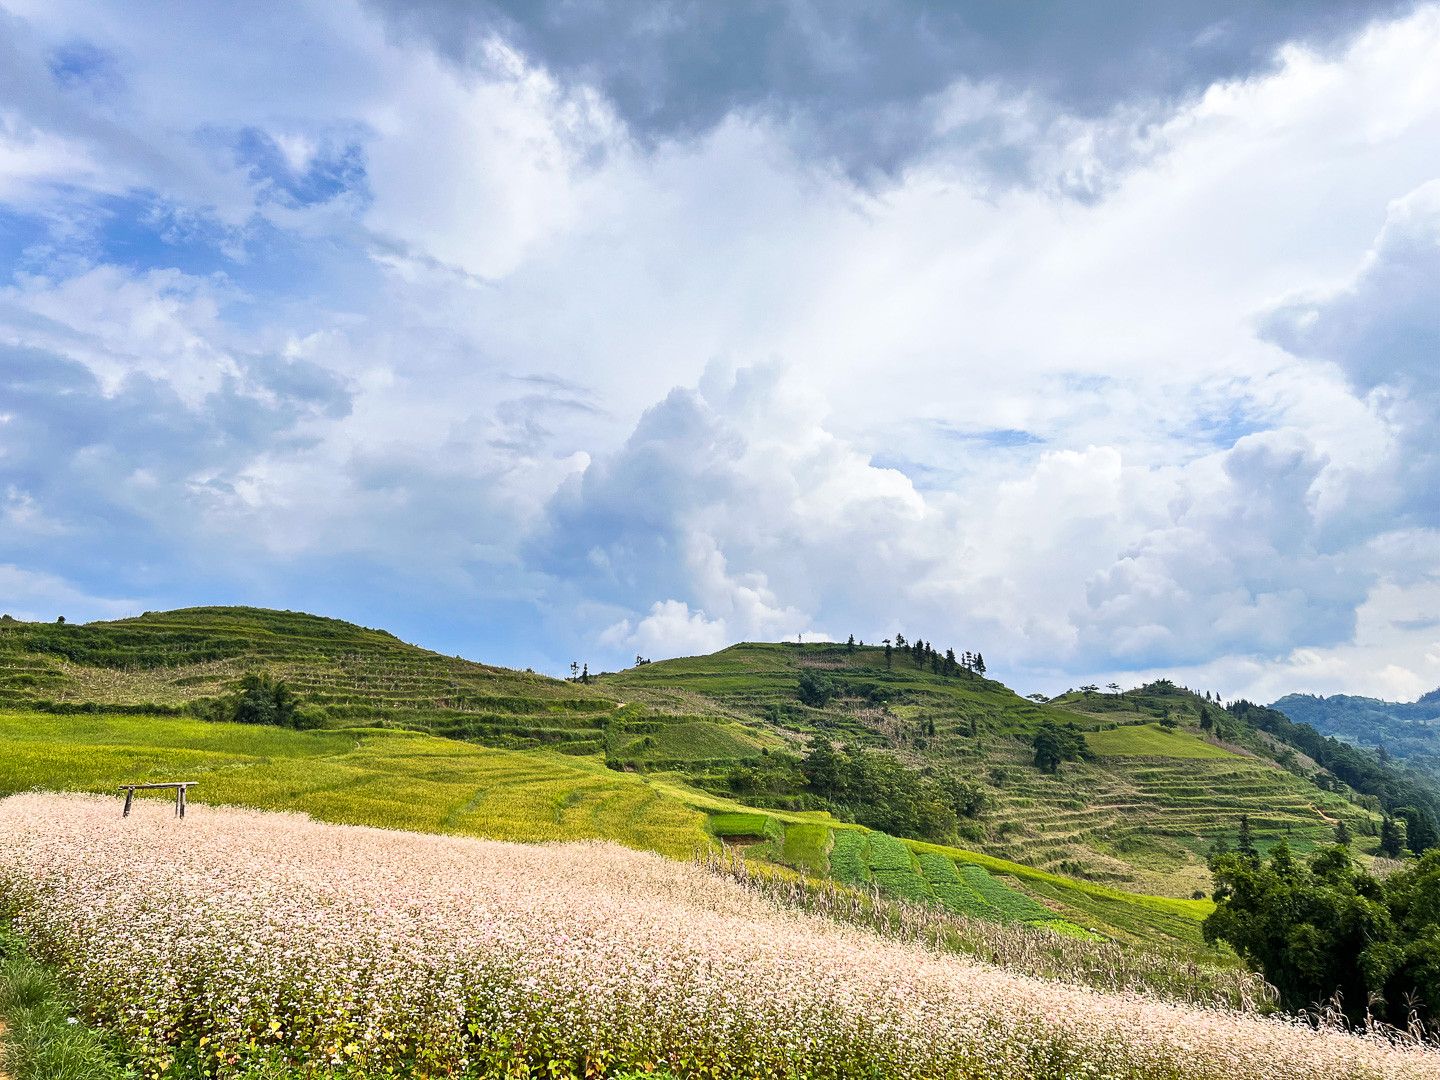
{"x": 260, "y": 698}
{"x": 1325, "y": 930}
{"x": 1055, "y": 743}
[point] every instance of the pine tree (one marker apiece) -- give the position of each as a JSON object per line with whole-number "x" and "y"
{"x": 585, "y": 675}
{"x": 1392, "y": 837}
{"x": 980, "y": 663}
{"x": 887, "y": 654}
{"x": 1342, "y": 833}
{"x": 900, "y": 641}
{"x": 1245, "y": 845}
{"x": 850, "y": 645}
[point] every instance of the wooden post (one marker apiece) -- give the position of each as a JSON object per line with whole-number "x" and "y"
{"x": 181, "y": 795}
{"x": 129, "y": 798}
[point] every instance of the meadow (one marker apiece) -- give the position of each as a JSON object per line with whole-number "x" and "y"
{"x": 370, "y": 776}
{"x": 239, "y": 940}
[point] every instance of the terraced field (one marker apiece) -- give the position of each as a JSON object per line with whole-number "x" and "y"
{"x": 358, "y": 676}
{"x": 725, "y": 730}
{"x": 962, "y": 881}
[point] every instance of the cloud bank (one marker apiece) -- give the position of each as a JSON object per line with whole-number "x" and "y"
{"x": 1105, "y": 346}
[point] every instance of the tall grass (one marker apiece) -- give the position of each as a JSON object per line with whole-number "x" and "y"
{"x": 42, "y": 1038}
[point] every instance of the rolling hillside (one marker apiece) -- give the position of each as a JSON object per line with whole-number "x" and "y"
{"x": 1406, "y": 729}
{"x": 680, "y": 755}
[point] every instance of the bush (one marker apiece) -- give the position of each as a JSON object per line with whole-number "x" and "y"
{"x": 815, "y": 690}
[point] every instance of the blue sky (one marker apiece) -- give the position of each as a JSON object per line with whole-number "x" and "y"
{"x": 1103, "y": 339}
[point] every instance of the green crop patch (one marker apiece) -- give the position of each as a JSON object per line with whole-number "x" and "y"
{"x": 905, "y": 884}
{"x": 889, "y": 854}
{"x": 1011, "y": 904}
{"x": 848, "y": 862}
{"x": 738, "y": 824}
{"x": 1150, "y": 740}
{"x": 805, "y": 846}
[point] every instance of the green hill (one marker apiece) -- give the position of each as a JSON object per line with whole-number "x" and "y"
{"x": 1406, "y": 729}
{"x": 1141, "y": 814}
{"x": 688, "y": 753}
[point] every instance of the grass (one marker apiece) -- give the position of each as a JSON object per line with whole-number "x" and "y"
{"x": 1151, "y": 740}
{"x": 805, "y": 848}
{"x": 395, "y": 780}
{"x": 42, "y": 1039}
{"x": 738, "y": 824}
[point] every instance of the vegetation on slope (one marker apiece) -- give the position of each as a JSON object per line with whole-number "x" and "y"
{"x": 1323, "y": 930}
{"x": 341, "y": 674}
{"x": 1409, "y": 730}
{"x": 1131, "y": 793}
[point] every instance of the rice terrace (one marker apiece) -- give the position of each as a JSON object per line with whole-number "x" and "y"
{"x": 775, "y": 861}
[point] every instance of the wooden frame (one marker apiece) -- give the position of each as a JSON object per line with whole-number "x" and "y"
{"x": 180, "y": 789}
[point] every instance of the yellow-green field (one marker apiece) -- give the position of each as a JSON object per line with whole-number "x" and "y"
{"x": 395, "y": 780}
{"x": 1151, "y": 740}
{"x": 413, "y": 781}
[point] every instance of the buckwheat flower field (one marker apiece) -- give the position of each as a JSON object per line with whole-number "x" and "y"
{"x": 237, "y": 937}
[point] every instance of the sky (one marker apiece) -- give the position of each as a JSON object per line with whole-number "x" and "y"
{"x": 1101, "y": 339}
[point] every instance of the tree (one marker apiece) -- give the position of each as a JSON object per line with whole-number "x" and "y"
{"x": 980, "y": 663}
{"x": 1048, "y": 754}
{"x": 900, "y": 641}
{"x": 850, "y": 645}
{"x": 816, "y": 690}
{"x": 585, "y": 674}
{"x": 574, "y": 670}
{"x": 1342, "y": 833}
{"x": 1054, "y": 744}
{"x": 1420, "y": 832}
{"x": 261, "y": 699}
{"x": 1245, "y": 844}
{"x": 1392, "y": 837}
{"x": 1325, "y": 927}
{"x": 887, "y": 654}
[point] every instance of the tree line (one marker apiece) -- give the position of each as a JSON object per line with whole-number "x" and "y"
{"x": 1329, "y": 936}
{"x": 1412, "y": 810}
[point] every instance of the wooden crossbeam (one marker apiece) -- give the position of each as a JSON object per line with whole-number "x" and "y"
{"x": 180, "y": 786}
